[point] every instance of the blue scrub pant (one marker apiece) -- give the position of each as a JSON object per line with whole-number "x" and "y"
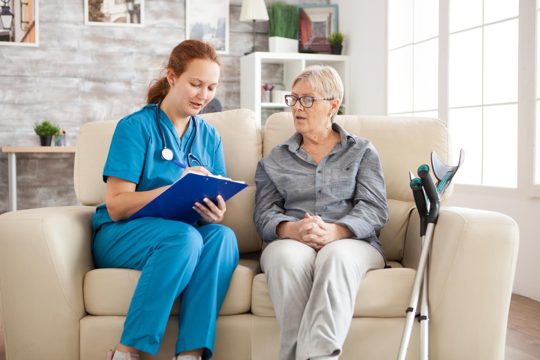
{"x": 176, "y": 259}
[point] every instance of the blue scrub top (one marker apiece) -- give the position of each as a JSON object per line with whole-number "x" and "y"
{"x": 135, "y": 152}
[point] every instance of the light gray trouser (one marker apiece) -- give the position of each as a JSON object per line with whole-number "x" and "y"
{"x": 314, "y": 293}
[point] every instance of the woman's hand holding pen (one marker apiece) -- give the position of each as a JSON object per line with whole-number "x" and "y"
{"x": 187, "y": 169}
{"x": 196, "y": 169}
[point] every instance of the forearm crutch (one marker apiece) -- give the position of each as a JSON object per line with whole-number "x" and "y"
{"x": 421, "y": 187}
{"x": 428, "y": 218}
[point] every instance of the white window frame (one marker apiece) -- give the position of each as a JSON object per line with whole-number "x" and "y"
{"x": 412, "y": 111}
{"x": 527, "y": 97}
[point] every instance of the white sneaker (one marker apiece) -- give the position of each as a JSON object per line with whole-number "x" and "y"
{"x": 187, "y": 357}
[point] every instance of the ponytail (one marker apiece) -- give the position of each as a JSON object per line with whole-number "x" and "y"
{"x": 157, "y": 91}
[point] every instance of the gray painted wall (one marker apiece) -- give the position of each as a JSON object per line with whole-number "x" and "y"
{"x": 81, "y": 73}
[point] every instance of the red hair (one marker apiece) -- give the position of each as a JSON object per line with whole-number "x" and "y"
{"x": 181, "y": 56}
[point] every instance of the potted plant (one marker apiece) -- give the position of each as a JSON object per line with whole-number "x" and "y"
{"x": 46, "y": 130}
{"x": 283, "y": 23}
{"x": 336, "y": 42}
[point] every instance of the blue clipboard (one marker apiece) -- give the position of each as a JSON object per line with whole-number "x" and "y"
{"x": 176, "y": 203}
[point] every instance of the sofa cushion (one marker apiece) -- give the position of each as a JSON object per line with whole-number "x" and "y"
{"x": 393, "y": 233}
{"x": 93, "y": 145}
{"x": 109, "y": 291}
{"x": 242, "y": 142}
{"x": 239, "y": 217}
{"x": 383, "y": 293}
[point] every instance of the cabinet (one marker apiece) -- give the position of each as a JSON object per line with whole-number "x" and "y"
{"x": 12, "y": 152}
{"x": 280, "y": 69}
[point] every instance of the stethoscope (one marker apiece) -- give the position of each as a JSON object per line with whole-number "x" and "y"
{"x": 166, "y": 153}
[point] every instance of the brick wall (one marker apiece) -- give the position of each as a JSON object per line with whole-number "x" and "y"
{"x": 82, "y": 73}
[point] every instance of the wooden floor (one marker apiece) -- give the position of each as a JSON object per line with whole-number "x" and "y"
{"x": 523, "y": 336}
{"x": 522, "y": 341}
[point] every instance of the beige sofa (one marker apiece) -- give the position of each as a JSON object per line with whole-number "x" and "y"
{"x": 55, "y": 305}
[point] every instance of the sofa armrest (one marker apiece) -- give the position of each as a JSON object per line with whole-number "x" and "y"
{"x": 44, "y": 255}
{"x": 471, "y": 273}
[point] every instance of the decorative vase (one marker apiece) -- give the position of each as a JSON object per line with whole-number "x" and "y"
{"x": 45, "y": 140}
{"x": 266, "y": 96}
{"x": 336, "y": 49}
{"x": 281, "y": 44}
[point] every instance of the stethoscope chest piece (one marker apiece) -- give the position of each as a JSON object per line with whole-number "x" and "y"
{"x": 167, "y": 154}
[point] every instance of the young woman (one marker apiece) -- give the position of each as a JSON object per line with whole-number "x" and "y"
{"x": 192, "y": 261}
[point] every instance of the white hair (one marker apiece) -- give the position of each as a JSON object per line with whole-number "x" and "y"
{"x": 324, "y": 79}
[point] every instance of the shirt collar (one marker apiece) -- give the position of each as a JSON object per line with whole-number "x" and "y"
{"x": 294, "y": 142}
{"x": 345, "y": 136}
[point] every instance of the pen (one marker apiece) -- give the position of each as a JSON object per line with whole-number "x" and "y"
{"x": 180, "y": 164}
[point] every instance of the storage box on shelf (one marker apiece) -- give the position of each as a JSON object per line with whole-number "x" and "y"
{"x": 252, "y": 77}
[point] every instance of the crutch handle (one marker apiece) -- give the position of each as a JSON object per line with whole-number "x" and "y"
{"x": 420, "y": 201}
{"x": 431, "y": 192}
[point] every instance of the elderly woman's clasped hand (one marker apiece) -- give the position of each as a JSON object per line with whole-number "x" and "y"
{"x": 316, "y": 233}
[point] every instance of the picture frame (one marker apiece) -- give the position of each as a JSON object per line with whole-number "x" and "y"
{"x": 316, "y": 23}
{"x": 19, "y": 23}
{"x": 208, "y": 20}
{"x": 114, "y": 12}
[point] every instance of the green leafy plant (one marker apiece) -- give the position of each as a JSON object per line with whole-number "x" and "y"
{"x": 46, "y": 128}
{"x": 336, "y": 38}
{"x": 283, "y": 20}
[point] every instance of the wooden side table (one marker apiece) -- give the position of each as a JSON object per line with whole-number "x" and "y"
{"x": 12, "y": 152}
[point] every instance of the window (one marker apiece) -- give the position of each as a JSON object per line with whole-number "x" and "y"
{"x": 537, "y": 137}
{"x": 482, "y": 89}
{"x": 413, "y": 30}
{"x": 479, "y": 43}
{"x": 481, "y": 86}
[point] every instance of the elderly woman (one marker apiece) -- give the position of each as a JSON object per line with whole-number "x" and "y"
{"x": 321, "y": 203}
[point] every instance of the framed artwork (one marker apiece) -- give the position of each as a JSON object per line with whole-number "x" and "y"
{"x": 19, "y": 23}
{"x": 316, "y": 23}
{"x": 114, "y": 12}
{"x": 208, "y": 20}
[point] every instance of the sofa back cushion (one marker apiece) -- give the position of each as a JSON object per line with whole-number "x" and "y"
{"x": 403, "y": 144}
{"x": 242, "y": 147}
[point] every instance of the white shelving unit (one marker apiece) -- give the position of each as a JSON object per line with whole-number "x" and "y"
{"x": 251, "y": 77}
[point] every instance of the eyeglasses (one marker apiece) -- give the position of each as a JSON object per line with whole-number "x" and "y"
{"x": 305, "y": 101}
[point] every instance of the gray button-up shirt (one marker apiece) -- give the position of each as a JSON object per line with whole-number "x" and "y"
{"x": 346, "y": 187}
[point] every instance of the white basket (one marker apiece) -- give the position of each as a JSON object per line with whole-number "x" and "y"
{"x": 278, "y": 96}
{"x": 281, "y": 44}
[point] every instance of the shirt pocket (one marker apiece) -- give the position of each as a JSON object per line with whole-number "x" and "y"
{"x": 343, "y": 182}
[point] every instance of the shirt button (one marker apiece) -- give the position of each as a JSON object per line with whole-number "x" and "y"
{"x": 319, "y": 171}
{"x": 320, "y": 191}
